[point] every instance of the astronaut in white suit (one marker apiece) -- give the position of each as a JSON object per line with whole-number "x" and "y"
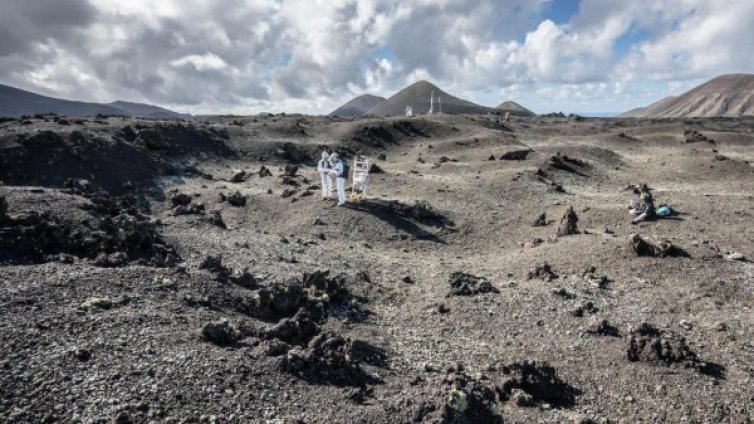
{"x": 340, "y": 171}
{"x": 324, "y": 167}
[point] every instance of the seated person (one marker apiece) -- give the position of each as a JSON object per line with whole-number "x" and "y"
{"x": 644, "y": 207}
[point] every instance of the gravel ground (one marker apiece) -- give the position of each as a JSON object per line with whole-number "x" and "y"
{"x": 144, "y": 279}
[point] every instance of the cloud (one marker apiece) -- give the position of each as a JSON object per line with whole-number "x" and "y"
{"x": 24, "y": 24}
{"x": 709, "y": 39}
{"x": 201, "y": 63}
{"x": 244, "y": 56}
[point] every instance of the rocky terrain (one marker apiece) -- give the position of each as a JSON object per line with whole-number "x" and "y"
{"x": 172, "y": 272}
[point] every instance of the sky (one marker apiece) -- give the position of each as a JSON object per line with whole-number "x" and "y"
{"x": 311, "y": 56}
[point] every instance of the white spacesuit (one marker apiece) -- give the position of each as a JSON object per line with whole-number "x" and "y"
{"x": 340, "y": 171}
{"x": 324, "y": 167}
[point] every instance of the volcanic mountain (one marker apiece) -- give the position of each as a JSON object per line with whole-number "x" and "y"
{"x": 515, "y": 109}
{"x": 15, "y": 102}
{"x": 727, "y": 95}
{"x": 146, "y": 110}
{"x": 358, "y": 106}
{"x": 418, "y": 96}
{"x": 645, "y": 111}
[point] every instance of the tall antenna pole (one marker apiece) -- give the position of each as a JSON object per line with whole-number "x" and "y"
{"x": 431, "y": 102}
{"x": 439, "y": 100}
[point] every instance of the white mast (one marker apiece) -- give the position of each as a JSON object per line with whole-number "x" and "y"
{"x": 431, "y": 102}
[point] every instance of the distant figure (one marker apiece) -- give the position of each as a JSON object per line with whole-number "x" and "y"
{"x": 340, "y": 171}
{"x": 324, "y": 167}
{"x": 507, "y": 117}
{"x": 644, "y": 207}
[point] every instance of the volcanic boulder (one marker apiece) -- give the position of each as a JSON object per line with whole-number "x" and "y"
{"x": 543, "y": 272}
{"x": 601, "y": 327}
{"x": 216, "y": 219}
{"x": 221, "y": 333}
{"x": 568, "y": 164}
{"x": 515, "y": 155}
{"x": 420, "y": 211}
{"x": 329, "y": 359}
{"x": 469, "y": 401}
{"x": 541, "y": 220}
{"x": 235, "y": 199}
{"x": 276, "y": 301}
{"x": 297, "y": 330}
{"x": 238, "y": 176}
{"x": 109, "y": 230}
{"x": 374, "y": 169}
{"x": 191, "y": 209}
{"x": 646, "y": 343}
{"x": 586, "y": 308}
{"x": 540, "y": 382}
{"x": 214, "y": 264}
{"x": 244, "y": 279}
{"x": 462, "y": 284}
{"x": 180, "y": 199}
{"x": 651, "y": 246}
{"x": 96, "y": 303}
{"x": 692, "y": 136}
{"x": 568, "y": 223}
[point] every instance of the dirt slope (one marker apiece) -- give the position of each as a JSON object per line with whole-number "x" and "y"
{"x": 358, "y": 106}
{"x": 727, "y": 95}
{"x": 646, "y": 111}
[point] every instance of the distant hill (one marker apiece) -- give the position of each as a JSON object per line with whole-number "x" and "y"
{"x": 147, "y": 111}
{"x": 726, "y": 95}
{"x": 358, "y": 106}
{"x": 640, "y": 112}
{"x": 15, "y": 102}
{"x": 515, "y": 109}
{"x": 418, "y": 96}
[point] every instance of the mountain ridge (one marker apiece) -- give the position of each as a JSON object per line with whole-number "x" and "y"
{"x": 418, "y": 95}
{"x": 729, "y": 95}
{"x": 15, "y": 102}
{"x": 514, "y": 108}
{"x": 358, "y": 106}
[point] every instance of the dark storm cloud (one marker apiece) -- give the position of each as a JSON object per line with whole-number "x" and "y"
{"x": 23, "y": 23}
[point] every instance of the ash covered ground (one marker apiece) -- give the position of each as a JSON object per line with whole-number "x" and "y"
{"x": 188, "y": 272}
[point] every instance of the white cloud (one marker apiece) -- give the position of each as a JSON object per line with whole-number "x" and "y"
{"x": 204, "y": 62}
{"x": 710, "y": 39}
{"x": 310, "y": 55}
